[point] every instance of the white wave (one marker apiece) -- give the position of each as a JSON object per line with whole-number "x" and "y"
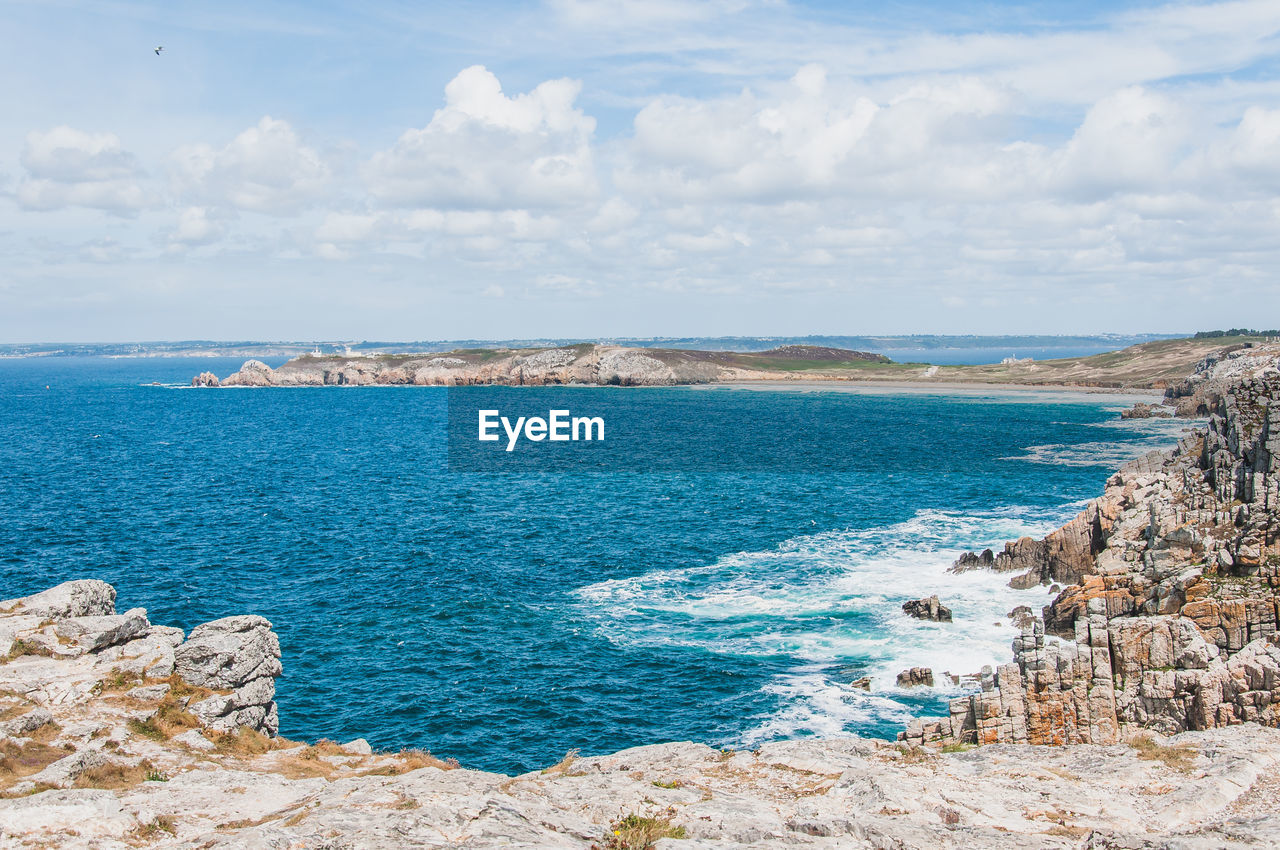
{"x": 1111, "y": 455}
{"x": 834, "y": 600}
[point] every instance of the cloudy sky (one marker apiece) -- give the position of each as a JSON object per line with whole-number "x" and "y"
{"x": 399, "y": 170}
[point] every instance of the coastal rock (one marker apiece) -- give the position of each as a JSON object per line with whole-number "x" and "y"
{"x": 121, "y": 767}
{"x": 929, "y": 608}
{"x": 1168, "y": 617}
{"x": 237, "y": 654}
{"x": 97, "y": 632}
{"x": 79, "y": 598}
{"x": 916, "y": 677}
{"x": 1142, "y": 410}
{"x": 206, "y": 379}
{"x": 254, "y": 373}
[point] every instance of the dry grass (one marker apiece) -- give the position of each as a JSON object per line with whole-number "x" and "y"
{"x": 19, "y": 760}
{"x": 114, "y": 776}
{"x": 247, "y": 742}
{"x": 22, "y": 647}
{"x": 638, "y": 832}
{"x": 561, "y": 768}
{"x": 1180, "y": 757}
{"x": 119, "y": 680}
{"x": 169, "y": 719}
{"x": 411, "y": 760}
{"x": 160, "y": 824}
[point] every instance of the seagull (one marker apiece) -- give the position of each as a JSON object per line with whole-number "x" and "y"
{"x": 158, "y": 49}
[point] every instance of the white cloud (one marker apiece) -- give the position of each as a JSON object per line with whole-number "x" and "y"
{"x": 66, "y": 167}
{"x": 196, "y": 227}
{"x": 264, "y": 169}
{"x": 484, "y": 150}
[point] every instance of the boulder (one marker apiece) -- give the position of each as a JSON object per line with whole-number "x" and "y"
{"x": 79, "y": 598}
{"x": 929, "y": 608}
{"x": 97, "y": 632}
{"x": 236, "y": 654}
{"x": 205, "y": 379}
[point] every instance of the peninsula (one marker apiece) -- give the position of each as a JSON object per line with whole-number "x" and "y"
{"x": 1147, "y": 366}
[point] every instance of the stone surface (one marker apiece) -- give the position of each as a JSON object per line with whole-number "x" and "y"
{"x": 80, "y": 598}
{"x": 237, "y": 655}
{"x": 916, "y": 677}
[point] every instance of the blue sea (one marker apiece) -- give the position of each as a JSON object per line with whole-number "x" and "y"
{"x": 504, "y": 619}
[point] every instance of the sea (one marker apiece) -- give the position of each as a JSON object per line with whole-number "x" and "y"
{"x": 504, "y": 618}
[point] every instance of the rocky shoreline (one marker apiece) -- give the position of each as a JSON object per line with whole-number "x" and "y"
{"x": 1160, "y": 365}
{"x": 1158, "y": 662}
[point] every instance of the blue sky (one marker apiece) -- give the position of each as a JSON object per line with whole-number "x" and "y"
{"x": 618, "y": 167}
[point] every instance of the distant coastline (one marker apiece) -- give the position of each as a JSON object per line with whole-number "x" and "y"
{"x": 1154, "y": 365}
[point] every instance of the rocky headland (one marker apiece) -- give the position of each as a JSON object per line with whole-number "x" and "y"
{"x": 1150, "y": 366}
{"x": 1139, "y": 710}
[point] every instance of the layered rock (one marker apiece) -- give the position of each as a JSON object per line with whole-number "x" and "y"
{"x": 1170, "y": 618}
{"x": 63, "y": 643}
{"x": 237, "y": 654}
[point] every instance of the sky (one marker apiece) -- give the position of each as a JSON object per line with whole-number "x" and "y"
{"x": 603, "y": 168}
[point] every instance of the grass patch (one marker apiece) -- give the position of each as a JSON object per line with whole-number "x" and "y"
{"x": 119, "y": 680}
{"x": 638, "y": 832}
{"x": 561, "y": 767}
{"x": 156, "y": 776}
{"x": 658, "y": 783}
{"x": 1180, "y": 757}
{"x": 114, "y": 776}
{"x": 19, "y": 760}
{"x": 411, "y": 760}
{"x": 159, "y": 824}
{"x": 246, "y": 742}
{"x": 23, "y": 647}
{"x": 957, "y": 747}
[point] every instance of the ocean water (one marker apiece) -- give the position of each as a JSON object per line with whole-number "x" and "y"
{"x": 503, "y": 619}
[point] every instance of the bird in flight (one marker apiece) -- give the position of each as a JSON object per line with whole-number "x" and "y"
{"x": 158, "y": 49}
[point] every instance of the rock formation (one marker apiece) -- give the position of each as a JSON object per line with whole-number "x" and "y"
{"x": 63, "y": 643}
{"x": 105, "y": 747}
{"x": 927, "y": 609}
{"x": 1169, "y": 619}
{"x": 916, "y": 677}
{"x": 1142, "y": 410}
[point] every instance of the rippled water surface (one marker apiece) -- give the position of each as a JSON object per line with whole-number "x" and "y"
{"x": 504, "y": 619}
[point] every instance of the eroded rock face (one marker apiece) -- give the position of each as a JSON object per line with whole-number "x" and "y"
{"x": 236, "y": 654}
{"x": 80, "y": 598}
{"x": 1169, "y": 617}
{"x": 68, "y": 640}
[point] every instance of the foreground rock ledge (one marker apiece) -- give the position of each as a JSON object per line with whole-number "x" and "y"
{"x": 119, "y": 733}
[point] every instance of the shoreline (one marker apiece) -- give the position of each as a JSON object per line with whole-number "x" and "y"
{"x": 914, "y": 384}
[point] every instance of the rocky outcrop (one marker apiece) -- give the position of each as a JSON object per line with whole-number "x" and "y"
{"x": 1169, "y": 621}
{"x": 236, "y": 654}
{"x": 206, "y": 379}
{"x": 916, "y": 677}
{"x": 1142, "y": 410}
{"x": 95, "y": 752}
{"x": 927, "y": 609}
{"x": 63, "y": 643}
{"x": 1199, "y": 393}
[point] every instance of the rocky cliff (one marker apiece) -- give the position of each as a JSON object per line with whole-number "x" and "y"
{"x": 1169, "y": 618}
{"x": 117, "y": 733}
{"x": 579, "y": 364}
